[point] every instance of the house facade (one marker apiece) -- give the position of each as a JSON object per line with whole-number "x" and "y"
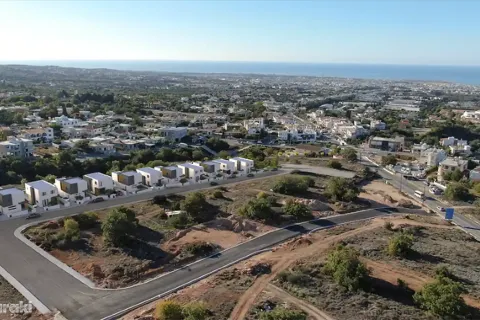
{"x": 242, "y": 164}
{"x": 191, "y": 171}
{"x": 98, "y": 183}
{"x": 12, "y": 202}
{"x": 127, "y": 180}
{"x": 150, "y": 177}
{"x": 225, "y": 165}
{"x": 71, "y": 188}
{"x": 42, "y": 194}
{"x": 16, "y": 147}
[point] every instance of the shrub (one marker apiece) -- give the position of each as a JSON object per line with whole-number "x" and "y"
{"x": 119, "y": 225}
{"x": 296, "y": 209}
{"x": 456, "y": 191}
{"x": 292, "y": 185}
{"x": 180, "y": 221}
{"x": 389, "y": 160}
{"x": 200, "y": 248}
{"x": 344, "y": 266}
{"x": 259, "y": 209}
{"x": 159, "y": 200}
{"x": 349, "y": 154}
{"x": 388, "y": 225}
{"x": 402, "y": 284}
{"x": 400, "y": 245}
{"x": 443, "y": 272}
{"x": 442, "y": 298}
{"x": 282, "y": 314}
{"x": 262, "y": 195}
{"x": 86, "y": 220}
{"x": 217, "y": 194}
{"x": 334, "y": 164}
{"x": 72, "y": 229}
{"x": 168, "y": 310}
{"x": 195, "y": 311}
{"x": 341, "y": 189}
{"x": 196, "y": 206}
{"x": 295, "y": 277}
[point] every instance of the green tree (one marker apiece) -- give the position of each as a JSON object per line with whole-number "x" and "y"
{"x": 168, "y": 310}
{"x": 50, "y": 178}
{"x": 456, "y": 191}
{"x": 400, "y": 245}
{"x": 257, "y": 209}
{"x": 344, "y": 265}
{"x": 292, "y": 185}
{"x": 217, "y": 144}
{"x": 72, "y": 229}
{"x": 350, "y": 154}
{"x": 341, "y": 189}
{"x": 389, "y": 160}
{"x": 197, "y": 155}
{"x": 195, "y": 311}
{"x": 442, "y": 298}
{"x": 223, "y": 154}
{"x": 119, "y": 226}
{"x": 296, "y": 209}
{"x": 334, "y": 164}
{"x": 196, "y": 206}
{"x": 281, "y": 313}
{"x": 457, "y": 175}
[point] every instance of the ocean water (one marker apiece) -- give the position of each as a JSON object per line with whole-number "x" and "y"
{"x": 457, "y": 74}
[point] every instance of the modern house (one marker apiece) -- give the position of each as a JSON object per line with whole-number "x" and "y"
{"x": 225, "y": 165}
{"x": 210, "y": 167}
{"x": 99, "y": 183}
{"x": 150, "y": 177}
{"x": 171, "y": 173}
{"x": 39, "y": 134}
{"x": 242, "y": 164}
{"x": 191, "y": 171}
{"x": 65, "y": 121}
{"x": 173, "y": 133}
{"x": 16, "y": 147}
{"x": 12, "y": 202}
{"x": 42, "y": 194}
{"x": 127, "y": 180}
{"x": 71, "y": 188}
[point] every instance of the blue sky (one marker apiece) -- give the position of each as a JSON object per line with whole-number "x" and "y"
{"x": 384, "y": 31}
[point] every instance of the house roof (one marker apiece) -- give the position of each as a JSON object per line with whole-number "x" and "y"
{"x": 222, "y": 161}
{"x": 41, "y": 185}
{"x": 71, "y": 180}
{"x": 97, "y": 176}
{"x": 11, "y": 191}
{"x": 148, "y": 170}
{"x": 191, "y": 166}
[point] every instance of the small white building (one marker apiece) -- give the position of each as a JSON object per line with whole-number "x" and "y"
{"x": 170, "y": 173}
{"x": 435, "y": 156}
{"x": 127, "y": 180}
{"x": 377, "y": 125}
{"x": 150, "y": 177}
{"x": 191, "y": 171}
{"x": 71, "y": 188}
{"x": 451, "y": 164}
{"x": 12, "y": 202}
{"x": 173, "y": 133}
{"x": 42, "y": 194}
{"x": 98, "y": 183}
{"x": 475, "y": 174}
{"x": 65, "y": 121}
{"x": 210, "y": 167}
{"x": 242, "y": 164}
{"x": 225, "y": 165}
{"x": 452, "y": 141}
{"x": 297, "y": 135}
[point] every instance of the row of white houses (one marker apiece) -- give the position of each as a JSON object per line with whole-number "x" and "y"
{"x": 68, "y": 191}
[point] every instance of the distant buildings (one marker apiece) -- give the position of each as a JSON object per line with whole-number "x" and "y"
{"x": 173, "y": 133}
{"x": 16, "y": 147}
{"x": 378, "y": 125}
{"x": 451, "y": 164}
{"x": 254, "y": 126}
{"x": 390, "y": 144}
{"x": 294, "y": 135}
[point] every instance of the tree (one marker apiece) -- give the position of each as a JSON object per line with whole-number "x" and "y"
{"x": 292, "y": 185}
{"x": 344, "y": 265}
{"x": 389, "y": 160}
{"x": 50, "y": 178}
{"x": 223, "y": 154}
{"x": 197, "y": 155}
{"x": 350, "y": 154}
{"x": 195, "y": 311}
{"x": 217, "y": 144}
{"x": 168, "y": 310}
{"x": 72, "y": 229}
{"x": 297, "y": 209}
{"x": 257, "y": 209}
{"x": 334, "y": 164}
{"x": 400, "y": 245}
{"x": 456, "y": 191}
{"x": 119, "y": 225}
{"x": 442, "y": 298}
{"x": 341, "y": 189}
{"x": 281, "y": 313}
{"x": 196, "y": 206}
{"x": 457, "y": 175}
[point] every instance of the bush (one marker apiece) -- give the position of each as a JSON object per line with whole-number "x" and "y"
{"x": 262, "y": 195}
{"x": 388, "y": 225}
{"x": 341, "y": 189}
{"x": 195, "y": 311}
{"x": 400, "y": 245}
{"x": 443, "y": 272}
{"x": 72, "y": 229}
{"x": 180, "y": 221}
{"x": 442, "y": 298}
{"x": 86, "y": 220}
{"x": 168, "y": 310}
{"x": 296, "y": 209}
{"x": 296, "y": 277}
{"x": 293, "y": 185}
{"x": 119, "y": 225}
{"x": 282, "y": 314}
{"x": 349, "y": 154}
{"x": 389, "y": 160}
{"x": 159, "y": 200}
{"x": 257, "y": 209}
{"x": 217, "y": 194}
{"x": 200, "y": 248}
{"x": 334, "y": 164}
{"x": 402, "y": 284}
{"x": 456, "y": 192}
{"x": 196, "y": 206}
{"x": 344, "y": 265}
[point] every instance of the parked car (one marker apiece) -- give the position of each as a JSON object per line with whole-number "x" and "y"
{"x": 250, "y": 175}
{"x": 33, "y": 215}
{"x": 96, "y": 200}
{"x": 213, "y": 183}
{"x": 440, "y": 208}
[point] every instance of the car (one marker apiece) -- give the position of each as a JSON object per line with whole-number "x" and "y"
{"x": 33, "y": 215}
{"x": 96, "y": 200}
{"x": 440, "y": 208}
{"x": 274, "y": 169}
{"x": 250, "y": 175}
{"x": 213, "y": 183}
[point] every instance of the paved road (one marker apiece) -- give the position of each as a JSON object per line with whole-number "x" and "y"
{"x": 319, "y": 170}
{"x": 409, "y": 187}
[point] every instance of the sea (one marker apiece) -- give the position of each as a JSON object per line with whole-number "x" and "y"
{"x": 455, "y": 74}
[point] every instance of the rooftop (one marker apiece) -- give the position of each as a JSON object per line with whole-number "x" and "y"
{"x": 97, "y": 176}
{"x": 10, "y": 191}
{"x": 41, "y": 185}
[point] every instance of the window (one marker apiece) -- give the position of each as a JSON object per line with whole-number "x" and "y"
{"x": 52, "y": 192}
{"x": 44, "y": 193}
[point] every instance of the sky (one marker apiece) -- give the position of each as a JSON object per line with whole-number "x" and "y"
{"x": 426, "y": 32}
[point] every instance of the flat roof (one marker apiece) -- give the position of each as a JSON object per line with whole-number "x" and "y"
{"x": 190, "y": 165}
{"x": 10, "y": 191}
{"x": 128, "y": 173}
{"x": 222, "y": 161}
{"x": 97, "y": 176}
{"x": 71, "y": 180}
{"x": 147, "y": 170}
{"x": 240, "y": 159}
{"x": 41, "y": 185}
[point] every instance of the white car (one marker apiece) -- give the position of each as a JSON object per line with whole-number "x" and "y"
{"x": 441, "y": 209}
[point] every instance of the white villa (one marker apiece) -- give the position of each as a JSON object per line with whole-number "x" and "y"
{"x": 42, "y": 194}
{"x": 150, "y": 176}
{"x": 12, "y": 202}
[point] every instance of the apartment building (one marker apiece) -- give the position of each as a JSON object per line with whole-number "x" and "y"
{"x": 127, "y": 180}
{"x": 12, "y": 202}
{"x": 191, "y": 171}
{"x": 174, "y": 134}
{"x": 150, "y": 177}
{"x": 65, "y": 121}
{"x": 451, "y": 164}
{"x": 38, "y": 134}
{"x": 16, "y": 147}
{"x": 98, "y": 183}
{"x": 452, "y": 141}
{"x": 254, "y": 126}
{"x": 378, "y": 125}
{"x": 242, "y": 164}
{"x": 42, "y": 193}
{"x": 298, "y": 135}
{"x": 71, "y": 188}
{"x": 389, "y": 144}
{"x": 435, "y": 156}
